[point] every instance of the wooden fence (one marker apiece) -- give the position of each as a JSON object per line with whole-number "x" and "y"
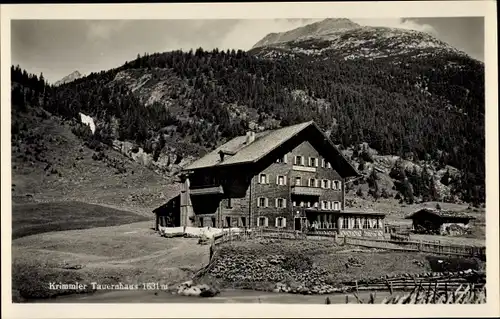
{"x": 397, "y": 241}
{"x": 423, "y": 246}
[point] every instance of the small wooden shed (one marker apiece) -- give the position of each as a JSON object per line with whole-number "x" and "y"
{"x": 168, "y": 214}
{"x": 435, "y": 221}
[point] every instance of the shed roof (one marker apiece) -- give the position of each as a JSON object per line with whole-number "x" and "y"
{"x": 441, "y": 213}
{"x": 264, "y": 143}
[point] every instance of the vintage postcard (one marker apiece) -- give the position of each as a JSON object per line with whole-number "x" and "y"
{"x": 278, "y": 160}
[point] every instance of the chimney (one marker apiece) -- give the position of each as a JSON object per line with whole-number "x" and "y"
{"x": 250, "y": 137}
{"x": 221, "y": 154}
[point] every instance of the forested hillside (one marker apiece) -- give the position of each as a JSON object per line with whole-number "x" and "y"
{"x": 424, "y": 107}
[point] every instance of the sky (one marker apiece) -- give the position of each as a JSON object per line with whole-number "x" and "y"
{"x": 56, "y": 48}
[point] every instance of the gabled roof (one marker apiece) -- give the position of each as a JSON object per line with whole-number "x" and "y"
{"x": 264, "y": 143}
{"x": 441, "y": 213}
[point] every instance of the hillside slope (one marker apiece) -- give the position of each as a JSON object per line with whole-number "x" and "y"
{"x": 52, "y": 162}
{"x": 402, "y": 94}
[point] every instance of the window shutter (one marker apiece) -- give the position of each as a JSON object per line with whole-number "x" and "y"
{"x": 284, "y": 203}
{"x": 284, "y": 222}
{"x": 258, "y": 202}
{"x": 302, "y": 161}
{"x": 276, "y": 222}
{"x": 295, "y": 160}
{"x": 277, "y": 179}
{"x": 266, "y": 201}
{"x": 259, "y": 181}
{"x": 340, "y": 185}
{"x": 276, "y": 202}
{"x": 267, "y": 179}
{"x": 285, "y": 159}
{"x": 266, "y": 221}
{"x": 316, "y": 162}
{"x": 316, "y": 183}
{"x": 328, "y": 183}
{"x": 322, "y": 162}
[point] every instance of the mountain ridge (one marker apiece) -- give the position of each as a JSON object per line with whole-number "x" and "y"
{"x": 340, "y": 34}
{"x": 176, "y": 106}
{"x": 69, "y": 78}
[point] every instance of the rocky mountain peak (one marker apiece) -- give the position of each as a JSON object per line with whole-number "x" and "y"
{"x": 69, "y": 78}
{"x": 311, "y": 30}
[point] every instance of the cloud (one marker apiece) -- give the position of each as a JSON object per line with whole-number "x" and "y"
{"x": 103, "y": 30}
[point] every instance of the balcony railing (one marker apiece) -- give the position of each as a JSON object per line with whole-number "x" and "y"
{"x": 306, "y": 190}
{"x": 207, "y": 190}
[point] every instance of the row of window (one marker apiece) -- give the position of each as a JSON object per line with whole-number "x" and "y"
{"x": 311, "y": 182}
{"x": 301, "y": 160}
{"x": 360, "y": 222}
{"x": 281, "y": 203}
{"x": 279, "y": 222}
{"x": 264, "y": 202}
{"x": 326, "y": 205}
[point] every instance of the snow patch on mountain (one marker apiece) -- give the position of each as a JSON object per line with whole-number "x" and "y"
{"x": 87, "y": 120}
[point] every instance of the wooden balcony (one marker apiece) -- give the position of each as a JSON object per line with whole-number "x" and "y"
{"x": 206, "y": 190}
{"x": 306, "y": 190}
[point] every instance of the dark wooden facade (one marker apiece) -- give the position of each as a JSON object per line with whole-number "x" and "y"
{"x": 297, "y": 185}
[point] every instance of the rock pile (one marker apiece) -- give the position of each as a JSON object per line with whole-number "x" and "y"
{"x": 296, "y": 271}
{"x": 188, "y": 288}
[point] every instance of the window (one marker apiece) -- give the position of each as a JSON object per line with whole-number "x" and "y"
{"x": 282, "y": 159}
{"x": 299, "y": 160}
{"x": 328, "y": 165}
{"x": 280, "y": 180}
{"x": 337, "y": 185}
{"x": 345, "y": 222}
{"x": 280, "y": 203}
{"x": 366, "y": 223}
{"x": 301, "y": 204}
{"x": 324, "y": 183}
{"x": 336, "y": 205}
{"x": 261, "y": 202}
{"x": 298, "y": 181}
{"x": 356, "y": 223}
{"x": 313, "y": 162}
{"x": 322, "y": 162}
{"x": 201, "y": 222}
{"x": 280, "y": 222}
{"x": 316, "y": 205}
{"x": 263, "y": 179}
{"x": 377, "y": 223}
{"x": 312, "y": 182}
{"x": 294, "y": 204}
{"x": 324, "y": 204}
{"x": 262, "y": 221}
{"x": 229, "y": 203}
{"x": 308, "y": 204}
{"x": 243, "y": 222}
